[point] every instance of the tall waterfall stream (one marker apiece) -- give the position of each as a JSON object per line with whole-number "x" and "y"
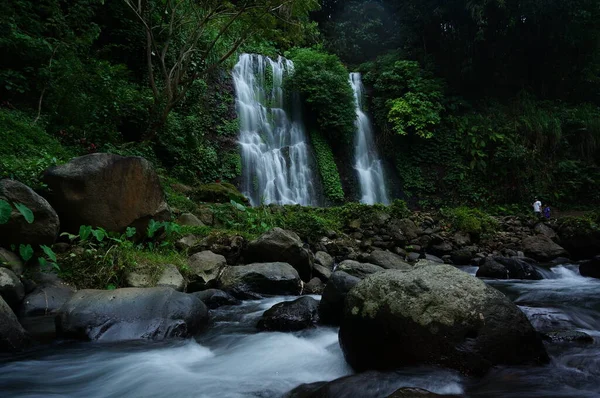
{"x": 231, "y": 359}
{"x": 275, "y": 153}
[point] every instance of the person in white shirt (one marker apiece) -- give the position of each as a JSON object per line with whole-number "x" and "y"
{"x": 537, "y": 207}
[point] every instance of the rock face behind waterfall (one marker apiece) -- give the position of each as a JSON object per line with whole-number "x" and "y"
{"x": 108, "y": 191}
{"x": 284, "y": 246}
{"x": 131, "y": 313}
{"x": 435, "y": 315}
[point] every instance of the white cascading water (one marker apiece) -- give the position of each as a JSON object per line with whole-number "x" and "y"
{"x": 367, "y": 162}
{"x": 275, "y": 155}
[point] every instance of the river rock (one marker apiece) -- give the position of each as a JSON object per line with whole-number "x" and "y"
{"x": 11, "y": 288}
{"x": 461, "y": 256}
{"x": 11, "y": 261}
{"x": 324, "y": 259}
{"x": 314, "y": 286}
{"x": 186, "y": 242}
{"x": 568, "y": 336}
{"x": 363, "y": 385}
{"x": 12, "y": 335}
{"x": 225, "y": 245}
{"x": 254, "y": 280}
{"x": 205, "y": 267}
{"x": 393, "y": 319}
{"x": 499, "y": 267}
{"x": 47, "y": 297}
{"x": 129, "y": 314}
{"x": 279, "y": 245}
{"x": 45, "y": 226}
{"x": 543, "y": 229}
{"x": 215, "y": 298}
{"x": 388, "y": 260}
{"x": 108, "y": 191}
{"x": 359, "y": 270}
{"x": 334, "y": 294}
{"x": 168, "y": 276}
{"x": 321, "y": 272}
{"x": 189, "y": 220}
{"x": 590, "y": 268}
{"x": 542, "y": 248}
{"x": 291, "y": 316}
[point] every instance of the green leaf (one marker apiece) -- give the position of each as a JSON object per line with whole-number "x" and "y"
{"x": 237, "y": 205}
{"x": 43, "y": 262}
{"x": 69, "y": 236}
{"x": 49, "y": 252}
{"x": 84, "y": 232}
{"x": 5, "y": 211}
{"x": 130, "y": 232}
{"x": 26, "y": 252}
{"x": 25, "y": 211}
{"x": 98, "y": 234}
{"x": 110, "y": 287}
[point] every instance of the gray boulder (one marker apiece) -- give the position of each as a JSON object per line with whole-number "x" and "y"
{"x": 47, "y": 297}
{"x": 291, "y": 316}
{"x": 438, "y": 316}
{"x": 12, "y": 335}
{"x": 542, "y": 248}
{"x": 129, "y": 314}
{"x": 543, "y": 229}
{"x": 324, "y": 259}
{"x": 11, "y": 261}
{"x": 322, "y": 272}
{"x": 45, "y": 226}
{"x": 499, "y": 267}
{"x": 388, "y": 260}
{"x": 279, "y": 245}
{"x": 254, "y": 280}
{"x": 108, "y": 191}
{"x": 215, "y": 298}
{"x": 11, "y": 288}
{"x": 190, "y": 220}
{"x": 314, "y": 286}
{"x": 205, "y": 267}
{"x": 167, "y": 275}
{"x": 359, "y": 270}
{"x": 334, "y": 294}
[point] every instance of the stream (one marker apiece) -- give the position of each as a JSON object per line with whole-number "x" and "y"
{"x": 231, "y": 359}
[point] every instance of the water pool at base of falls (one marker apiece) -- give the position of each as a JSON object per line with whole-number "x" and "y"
{"x": 232, "y": 359}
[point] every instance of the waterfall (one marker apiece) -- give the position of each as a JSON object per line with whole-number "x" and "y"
{"x": 275, "y": 154}
{"x": 367, "y": 162}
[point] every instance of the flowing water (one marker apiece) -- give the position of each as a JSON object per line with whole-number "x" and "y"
{"x": 275, "y": 153}
{"x": 367, "y": 163}
{"x": 231, "y": 359}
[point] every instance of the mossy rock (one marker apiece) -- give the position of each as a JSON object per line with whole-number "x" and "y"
{"x": 219, "y": 192}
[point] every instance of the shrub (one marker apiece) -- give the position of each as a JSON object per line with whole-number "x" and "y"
{"x": 470, "y": 220}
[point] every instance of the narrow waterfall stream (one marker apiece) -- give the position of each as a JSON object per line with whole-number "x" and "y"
{"x": 275, "y": 154}
{"x": 231, "y": 359}
{"x": 367, "y": 162}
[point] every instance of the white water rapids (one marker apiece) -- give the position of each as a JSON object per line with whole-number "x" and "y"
{"x": 367, "y": 162}
{"x": 275, "y": 154}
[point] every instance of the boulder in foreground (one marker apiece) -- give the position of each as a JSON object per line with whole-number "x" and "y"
{"x": 108, "y": 191}
{"x": 435, "y": 315}
{"x": 291, "y": 316}
{"x": 254, "y": 280}
{"x": 132, "y": 313}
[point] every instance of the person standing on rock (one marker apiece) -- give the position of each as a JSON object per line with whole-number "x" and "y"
{"x": 537, "y": 208}
{"x": 547, "y": 211}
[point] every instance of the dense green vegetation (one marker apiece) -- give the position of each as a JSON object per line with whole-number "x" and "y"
{"x": 485, "y": 102}
{"x": 330, "y": 176}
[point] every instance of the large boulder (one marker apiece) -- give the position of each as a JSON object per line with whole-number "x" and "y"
{"x": 388, "y": 260}
{"x": 291, "y": 316}
{"x": 279, "y": 245}
{"x": 48, "y": 296}
{"x": 45, "y": 226}
{"x": 542, "y": 248}
{"x": 324, "y": 259}
{"x": 131, "y": 313}
{"x": 436, "y": 315}
{"x": 590, "y": 268}
{"x": 166, "y": 275}
{"x": 499, "y": 267}
{"x": 359, "y": 270}
{"x": 215, "y": 298}
{"x": 205, "y": 267}
{"x": 254, "y": 280}
{"x": 12, "y": 335}
{"x": 228, "y": 246}
{"x": 11, "y": 288}
{"x": 334, "y": 294}
{"x": 108, "y": 191}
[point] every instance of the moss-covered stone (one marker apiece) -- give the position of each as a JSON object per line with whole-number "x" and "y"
{"x": 219, "y": 192}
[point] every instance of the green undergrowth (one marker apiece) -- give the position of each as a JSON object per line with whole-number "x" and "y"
{"x": 332, "y": 185}
{"x": 471, "y": 220}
